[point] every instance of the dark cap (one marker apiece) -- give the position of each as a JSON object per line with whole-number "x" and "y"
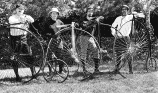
{"x": 20, "y": 6}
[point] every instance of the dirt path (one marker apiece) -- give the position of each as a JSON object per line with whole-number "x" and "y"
{"x": 137, "y": 83}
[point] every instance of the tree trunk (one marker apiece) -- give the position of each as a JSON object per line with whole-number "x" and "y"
{"x": 147, "y": 13}
{"x": 148, "y": 24}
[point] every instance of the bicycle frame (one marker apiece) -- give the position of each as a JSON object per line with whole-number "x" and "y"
{"x": 74, "y": 53}
{"x": 73, "y": 41}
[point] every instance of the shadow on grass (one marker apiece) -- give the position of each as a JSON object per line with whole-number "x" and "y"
{"x": 12, "y": 80}
{"x": 97, "y": 75}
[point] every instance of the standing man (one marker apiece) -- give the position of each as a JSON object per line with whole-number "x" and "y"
{"x": 18, "y": 19}
{"x": 48, "y": 26}
{"x": 87, "y": 43}
{"x": 58, "y": 48}
{"x": 123, "y": 25}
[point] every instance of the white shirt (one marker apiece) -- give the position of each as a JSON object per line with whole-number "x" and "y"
{"x": 91, "y": 40}
{"x": 123, "y": 24}
{"x": 19, "y": 19}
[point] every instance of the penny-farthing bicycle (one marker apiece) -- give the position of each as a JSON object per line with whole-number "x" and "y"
{"x": 151, "y": 64}
{"x": 106, "y": 43}
{"x": 24, "y": 61}
{"x": 76, "y": 43}
{"x": 51, "y": 69}
{"x": 54, "y": 69}
{"x": 135, "y": 48}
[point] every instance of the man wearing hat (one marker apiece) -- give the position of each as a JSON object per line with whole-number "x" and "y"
{"x": 121, "y": 29}
{"x": 47, "y": 27}
{"x": 18, "y": 19}
{"x": 58, "y": 48}
{"x": 87, "y": 43}
{"x": 54, "y": 13}
{"x": 18, "y": 16}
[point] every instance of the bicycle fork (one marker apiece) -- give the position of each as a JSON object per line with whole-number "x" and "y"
{"x": 74, "y": 53}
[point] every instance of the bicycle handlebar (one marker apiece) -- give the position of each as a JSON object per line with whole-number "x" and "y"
{"x": 8, "y": 24}
{"x": 66, "y": 25}
{"x": 59, "y": 26}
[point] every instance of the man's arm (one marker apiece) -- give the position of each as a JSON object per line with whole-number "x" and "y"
{"x": 114, "y": 26}
{"x": 29, "y": 18}
{"x": 11, "y": 20}
{"x": 90, "y": 17}
{"x": 141, "y": 14}
{"x": 59, "y": 24}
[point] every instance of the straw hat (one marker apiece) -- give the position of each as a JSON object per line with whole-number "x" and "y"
{"x": 125, "y": 6}
{"x": 54, "y": 10}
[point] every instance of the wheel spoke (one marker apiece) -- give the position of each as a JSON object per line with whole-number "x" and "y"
{"x": 137, "y": 48}
{"x": 23, "y": 61}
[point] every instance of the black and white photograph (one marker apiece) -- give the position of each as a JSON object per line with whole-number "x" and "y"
{"x": 78, "y": 46}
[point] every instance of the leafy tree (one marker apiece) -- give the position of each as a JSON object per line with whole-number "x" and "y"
{"x": 76, "y": 9}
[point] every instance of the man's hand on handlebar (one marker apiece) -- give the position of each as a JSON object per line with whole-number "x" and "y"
{"x": 99, "y": 18}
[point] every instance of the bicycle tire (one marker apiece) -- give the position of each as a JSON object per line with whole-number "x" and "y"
{"x": 151, "y": 64}
{"x": 37, "y": 58}
{"x": 54, "y": 73}
{"x": 75, "y": 71}
{"x": 137, "y": 46}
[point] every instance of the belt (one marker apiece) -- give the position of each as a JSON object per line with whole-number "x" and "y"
{"x": 122, "y": 37}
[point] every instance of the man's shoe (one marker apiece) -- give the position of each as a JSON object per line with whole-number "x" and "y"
{"x": 130, "y": 72}
{"x": 116, "y": 71}
{"x": 18, "y": 79}
{"x": 96, "y": 71}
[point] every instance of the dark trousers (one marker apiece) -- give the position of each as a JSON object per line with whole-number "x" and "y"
{"x": 119, "y": 51}
{"x": 17, "y": 46}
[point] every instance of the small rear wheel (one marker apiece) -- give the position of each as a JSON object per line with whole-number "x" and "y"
{"x": 23, "y": 62}
{"x": 55, "y": 70}
{"x": 151, "y": 64}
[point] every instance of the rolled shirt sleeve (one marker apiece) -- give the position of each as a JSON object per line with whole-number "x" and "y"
{"x": 29, "y": 18}
{"x": 123, "y": 25}
{"x": 114, "y": 25}
{"x": 13, "y": 20}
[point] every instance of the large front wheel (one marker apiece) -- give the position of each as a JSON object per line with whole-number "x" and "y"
{"x": 78, "y": 49}
{"x": 134, "y": 49}
{"x": 23, "y": 61}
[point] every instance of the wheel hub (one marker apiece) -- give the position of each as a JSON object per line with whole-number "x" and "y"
{"x": 133, "y": 48}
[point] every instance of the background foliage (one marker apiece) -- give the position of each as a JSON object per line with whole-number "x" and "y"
{"x": 107, "y": 8}
{"x": 76, "y": 9}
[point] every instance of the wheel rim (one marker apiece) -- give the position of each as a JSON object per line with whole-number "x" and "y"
{"x": 136, "y": 46}
{"x": 22, "y": 60}
{"x": 78, "y": 73}
{"x": 152, "y": 65}
{"x": 52, "y": 72}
